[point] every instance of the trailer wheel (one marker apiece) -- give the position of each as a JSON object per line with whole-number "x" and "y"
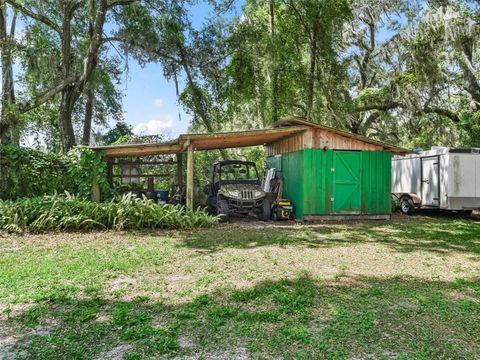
{"x": 407, "y": 206}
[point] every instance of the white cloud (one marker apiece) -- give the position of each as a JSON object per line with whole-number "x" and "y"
{"x": 158, "y": 103}
{"x": 155, "y": 126}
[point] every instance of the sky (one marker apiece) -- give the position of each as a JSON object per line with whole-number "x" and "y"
{"x": 150, "y": 103}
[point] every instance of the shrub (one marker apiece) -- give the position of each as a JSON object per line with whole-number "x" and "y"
{"x": 86, "y": 166}
{"x": 29, "y": 173}
{"x": 32, "y": 173}
{"x": 60, "y": 213}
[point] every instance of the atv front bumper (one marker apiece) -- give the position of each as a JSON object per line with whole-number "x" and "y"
{"x": 244, "y": 206}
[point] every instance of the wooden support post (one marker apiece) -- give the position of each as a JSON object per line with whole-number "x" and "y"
{"x": 180, "y": 170}
{"x": 96, "y": 192}
{"x": 110, "y": 172}
{"x": 190, "y": 177}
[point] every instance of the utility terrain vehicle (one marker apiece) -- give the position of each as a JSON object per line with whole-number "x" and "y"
{"x": 236, "y": 189}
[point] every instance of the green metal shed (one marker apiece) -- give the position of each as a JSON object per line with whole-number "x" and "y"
{"x": 333, "y": 174}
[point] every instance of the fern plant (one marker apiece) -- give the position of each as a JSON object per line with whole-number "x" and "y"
{"x": 68, "y": 213}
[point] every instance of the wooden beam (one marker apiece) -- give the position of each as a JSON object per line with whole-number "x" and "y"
{"x": 142, "y": 176}
{"x": 140, "y": 150}
{"x": 123, "y": 162}
{"x": 190, "y": 155}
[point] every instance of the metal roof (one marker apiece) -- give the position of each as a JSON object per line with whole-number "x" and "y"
{"x": 202, "y": 142}
{"x": 224, "y": 140}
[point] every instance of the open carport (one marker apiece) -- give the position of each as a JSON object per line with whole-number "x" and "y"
{"x": 327, "y": 172}
{"x": 189, "y": 143}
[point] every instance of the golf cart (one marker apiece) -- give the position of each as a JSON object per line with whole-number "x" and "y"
{"x": 236, "y": 189}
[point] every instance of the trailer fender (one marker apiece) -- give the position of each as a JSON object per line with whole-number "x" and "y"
{"x": 415, "y": 198}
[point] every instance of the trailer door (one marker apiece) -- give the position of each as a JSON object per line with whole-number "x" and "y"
{"x": 431, "y": 181}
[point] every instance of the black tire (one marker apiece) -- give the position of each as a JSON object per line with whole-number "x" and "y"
{"x": 466, "y": 212}
{"x": 275, "y": 215}
{"x": 210, "y": 208}
{"x": 266, "y": 210}
{"x": 222, "y": 210}
{"x": 407, "y": 206}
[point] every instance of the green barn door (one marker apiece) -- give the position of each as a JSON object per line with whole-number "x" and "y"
{"x": 347, "y": 194}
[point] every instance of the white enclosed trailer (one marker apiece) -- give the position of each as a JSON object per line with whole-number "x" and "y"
{"x": 443, "y": 178}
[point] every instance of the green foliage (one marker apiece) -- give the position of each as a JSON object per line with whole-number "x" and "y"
{"x": 29, "y": 172}
{"x": 118, "y": 133}
{"x": 61, "y": 213}
{"x": 262, "y": 300}
{"x": 87, "y": 167}
{"x": 470, "y": 128}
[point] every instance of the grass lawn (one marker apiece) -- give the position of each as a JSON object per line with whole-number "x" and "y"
{"x": 405, "y": 289}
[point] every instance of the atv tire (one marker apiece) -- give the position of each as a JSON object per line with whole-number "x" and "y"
{"x": 266, "y": 210}
{"x": 222, "y": 210}
{"x": 210, "y": 208}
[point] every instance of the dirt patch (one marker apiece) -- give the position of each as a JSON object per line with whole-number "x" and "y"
{"x": 176, "y": 282}
{"x": 186, "y": 341}
{"x": 407, "y": 304}
{"x": 9, "y": 343}
{"x": 116, "y": 353}
{"x": 121, "y": 284}
{"x": 460, "y": 296}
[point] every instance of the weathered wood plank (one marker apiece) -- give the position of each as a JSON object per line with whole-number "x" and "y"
{"x": 190, "y": 160}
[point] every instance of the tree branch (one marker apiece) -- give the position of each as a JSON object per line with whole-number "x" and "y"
{"x": 381, "y": 107}
{"x": 120, "y": 2}
{"x": 47, "y": 95}
{"x": 43, "y": 19}
{"x": 443, "y": 112}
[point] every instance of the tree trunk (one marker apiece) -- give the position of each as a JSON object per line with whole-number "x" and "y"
{"x": 274, "y": 61}
{"x": 72, "y": 93}
{"x": 68, "y": 92}
{"x": 311, "y": 75}
{"x": 65, "y": 126}
{"x": 87, "y": 123}
{"x": 196, "y": 95}
{"x": 471, "y": 83}
{"x": 8, "y": 120}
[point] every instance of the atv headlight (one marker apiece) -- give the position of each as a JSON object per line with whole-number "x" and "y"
{"x": 234, "y": 193}
{"x": 258, "y": 193}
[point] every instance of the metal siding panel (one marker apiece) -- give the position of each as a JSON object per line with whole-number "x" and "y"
{"x": 365, "y": 182}
{"x": 376, "y": 182}
{"x": 477, "y": 176}
{"x": 314, "y": 172}
{"x": 309, "y": 181}
{"x": 328, "y": 194}
{"x": 462, "y": 168}
{"x": 293, "y": 175}
{"x": 406, "y": 174}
